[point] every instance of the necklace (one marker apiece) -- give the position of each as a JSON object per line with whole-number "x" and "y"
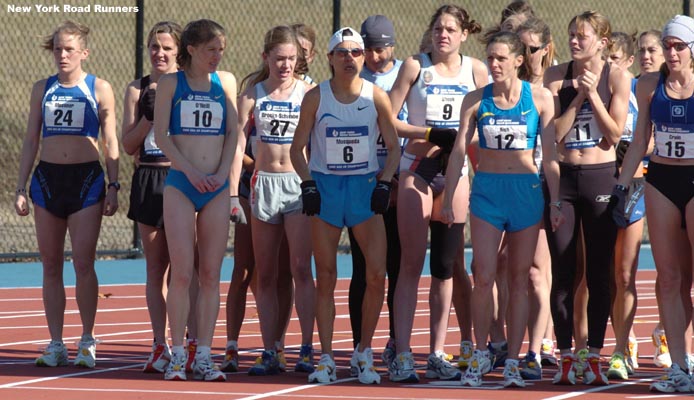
{"x": 682, "y": 87}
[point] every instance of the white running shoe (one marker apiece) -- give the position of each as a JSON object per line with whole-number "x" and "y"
{"x": 547, "y": 357}
{"x": 473, "y": 375}
{"x": 86, "y": 353}
{"x": 365, "y": 363}
{"x": 439, "y": 368}
{"x": 204, "y": 369}
{"x": 402, "y": 369}
{"x": 176, "y": 370}
{"x": 512, "y": 376}
{"x": 661, "y": 358}
{"x": 325, "y": 371}
{"x": 566, "y": 375}
{"x": 54, "y": 355}
{"x": 159, "y": 359}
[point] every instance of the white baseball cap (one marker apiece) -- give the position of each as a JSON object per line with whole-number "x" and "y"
{"x": 344, "y": 35}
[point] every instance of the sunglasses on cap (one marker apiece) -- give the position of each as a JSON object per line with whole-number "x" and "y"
{"x": 678, "y": 46}
{"x": 342, "y": 52}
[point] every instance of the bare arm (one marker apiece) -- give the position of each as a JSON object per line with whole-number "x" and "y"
{"x": 309, "y": 107}
{"x": 133, "y": 130}
{"x": 611, "y": 122}
{"x": 246, "y": 103}
{"x": 644, "y": 128}
{"x": 232, "y": 134}
{"x": 107, "y": 117}
{"x": 480, "y": 73}
{"x": 553, "y": 80}
{"x": 544, "y": 100}
{"x": 468, "y": 125}
{"x": 162, "y": 116}
{"x": 30, "y": 147}
{"x": 409, "y": 71}
{"x": 387, "y": 129}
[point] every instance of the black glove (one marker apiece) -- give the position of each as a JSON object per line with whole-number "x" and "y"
{"x": 147, "y": 104}
{"x": 380, "y": 198}
{"x": 617, "y": 203}
{"x": 310, "y": 197}
{"x": 444, "y": 138}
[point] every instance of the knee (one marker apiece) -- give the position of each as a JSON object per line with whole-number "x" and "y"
{"x": 443, "y": 267}
{"x": 376, "y": 278}
{"x": 84, "y": 268}
{"x": 483, "y": 281}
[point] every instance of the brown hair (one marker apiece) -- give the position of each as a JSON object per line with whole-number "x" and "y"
{"x": 276, "y": 36}
{"x": 169, "y": 27}
{"x": 540, "y": 28}
{"x": 196, "y": 33}
{"x": 517, "y": 7}
{"x": 460, "y": 14}
{"x": 71, "y": 28}
{"x": 622, "y": 41}
{"x": 515, "y": 45}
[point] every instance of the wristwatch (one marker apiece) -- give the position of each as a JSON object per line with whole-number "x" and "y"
{"x": 556, "y": 204}
{"x": 114, "y": 184}
{"x": 621, "y": 188}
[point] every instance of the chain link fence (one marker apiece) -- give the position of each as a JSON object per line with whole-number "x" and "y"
{"x": 113, "y": 48}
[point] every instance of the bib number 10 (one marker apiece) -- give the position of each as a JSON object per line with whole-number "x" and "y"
{"x": 205, "y": 117}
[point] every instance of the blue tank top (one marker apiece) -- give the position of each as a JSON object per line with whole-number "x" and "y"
{"x": 673, "y": 124}
{"x": 512, "y": 129}
{"x": 198, "y": 113}
{"x": 70, "y": 111}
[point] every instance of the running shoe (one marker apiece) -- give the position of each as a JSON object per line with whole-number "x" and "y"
{"x": 530, "y": 368}
{"x": 402, "y": 369}
{"x": 689, "y": 360}
{"x": 191, "y": 349}
{"x": 325, "y": 371}
{"x": 473, "y": 375}
{"x": 231, "y": 359}
{"x": 500, "y": 353}
{"x": 54, "y": 355}
{"x": 305, "y": 362}
{"x": 512, "y": 376}
{"x": 661, "y": 358}
{"x": 547, "y": 357}
{"x": 466, "y": 350}
{"x": 485, "y": 360}
{"x": 367, "y": 371}
{"x": 176, "y": 370}
{"x": 439, "y": 368}
{"x": 86, "y": 353}
{"x": 266, "y": 364}
{"x": 676, "y": 380}
{"x": 592, "y": 374}
{"x": 580, "y": 364}
{"x": 206, "y": 370}
{"x": 159, "y": 359}
{"x": 389, "y": 353}
{"x": 567, "y": 370}
{"x": 282, "y": 361}
{"x": 632, "y": 354}
{"x": 618, "y": 367}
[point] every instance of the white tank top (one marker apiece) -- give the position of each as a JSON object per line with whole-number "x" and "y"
{"x": 276, "y": 120}
{"x": 343, "y": 139}
{"x": 435, "y": 100}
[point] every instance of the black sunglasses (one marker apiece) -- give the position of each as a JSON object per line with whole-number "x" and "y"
{"x": 678, "y": 46}
{"x": 342, "y": 52}
{"x": 535, "y": 49}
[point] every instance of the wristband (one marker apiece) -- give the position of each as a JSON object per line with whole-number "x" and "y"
{"x": 426, "y": 135}
{"x": 20, "y": 191}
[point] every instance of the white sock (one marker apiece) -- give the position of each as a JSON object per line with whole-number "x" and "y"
{"x": 233, "y": 344}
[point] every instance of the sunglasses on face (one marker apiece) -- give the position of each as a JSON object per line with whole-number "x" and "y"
{"x": 678, "y": 46}
{"x": 535, "y": 49}
{"x": 342, "y": 52}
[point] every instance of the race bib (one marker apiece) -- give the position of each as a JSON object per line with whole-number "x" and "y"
{"x": 277, "y": 121}
{"x": 506, "y": 133}
{"x": 64, "y": 115}
{"x": 585, "y": 132}
{"x": 201, "y": 117}
{"x": 347, "y": 148}
{"x": 674, "y": 141}
{"x": 443, "y": 105}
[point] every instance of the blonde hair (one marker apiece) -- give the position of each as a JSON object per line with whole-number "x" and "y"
{"x": 540, "y": 28}
{"x": 276, "y": 36}
{"x": 71, "y": 28}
